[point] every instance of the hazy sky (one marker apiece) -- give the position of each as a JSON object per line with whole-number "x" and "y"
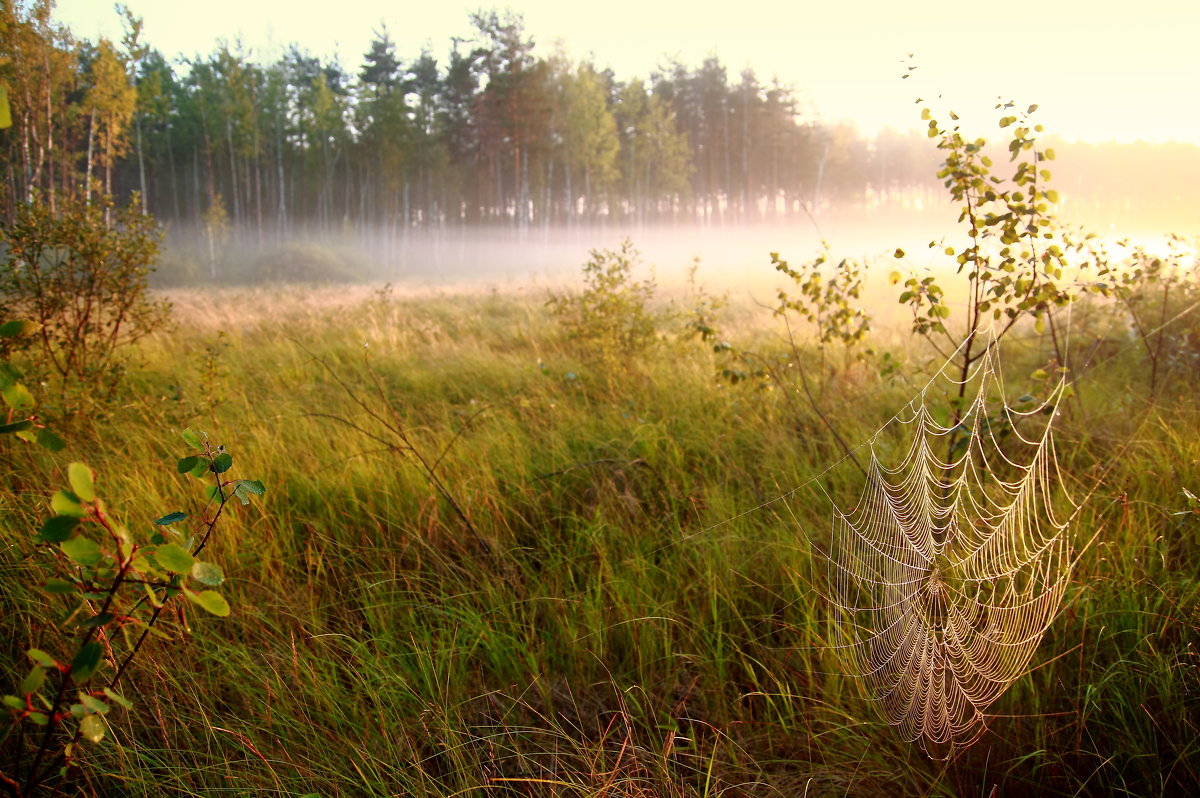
{"x": 1098, "y": 70}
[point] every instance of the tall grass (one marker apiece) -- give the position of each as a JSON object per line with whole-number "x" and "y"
{"x": 639, "y": 609}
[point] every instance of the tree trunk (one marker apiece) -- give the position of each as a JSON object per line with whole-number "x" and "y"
{"x": 233, "y": 181}
{"x": 49, "y": 129}
{"x": 548, "y": 203}
{"x": 87, "y": 186}
{"x": 26, "y": 160}
{"x": 524, "y": 193}
{"x": 258, "y": 210}
{"x": 108, "y": 162}
{"x": 108, "y": 165}
{"x": 406, "y": 207}
{"x": 282, "y": 181}
{"x": 587, "y": 194}
{"x": 196, "y": 203}
{"x": 517, "y": 185}
{"x": 137, "y": 126}
{"x": 816, "y": 194}
{"x": 174, "y": 178}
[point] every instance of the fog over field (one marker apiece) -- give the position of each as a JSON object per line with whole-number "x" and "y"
{"x": 731, "y": 257}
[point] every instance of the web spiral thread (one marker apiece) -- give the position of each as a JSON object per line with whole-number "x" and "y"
{"x": 948, "y": 570}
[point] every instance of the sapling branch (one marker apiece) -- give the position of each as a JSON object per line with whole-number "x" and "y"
{"x": 98, "y": 516}
{"x": 103, "y": 571}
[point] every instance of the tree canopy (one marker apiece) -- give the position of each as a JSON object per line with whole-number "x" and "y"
{"x": 493, "y": 132}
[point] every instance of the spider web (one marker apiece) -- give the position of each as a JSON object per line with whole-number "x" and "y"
{"x": 952, "y": 564}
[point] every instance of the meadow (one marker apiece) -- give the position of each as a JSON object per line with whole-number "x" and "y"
{"x": 495, "y": 559}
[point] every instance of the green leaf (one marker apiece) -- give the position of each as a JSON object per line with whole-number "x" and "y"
{"x": 16, "y": 426}
{"x": 118, "y": 698}
{"x": 16, "y": 327}
{"x": 92, "y": 728}
{"x": 210, "y": 601}
{"x": 251, "y": 486}
{"x": 92, "y": 704}
{"x": 174, "y": 558}
{"x": 200, "y": 469}
{"x": 1040, "y": 374}
{"x": 222, "y": 463}
{"x": 151, "y": 595}
{"x": 49, "y": 440}
{"x": 82, "y": 481}
{"x": 42, "y": 658}
{"x": 208, "y": 573}
{"x": 18, "y": 397}
{"x": 245, "y": 488}
{"x": 66, "y": 503}
{"x": 191, "y": 438}
{"x": 58, "y": 528}
{"x": 170, "y": 518}
{"x": 86, "y": 661}
{"x": 186, "y": 464}
{"x": 12, "y": 702}
{"x": 59, "y": 586}
{"x": 34, "y": 681}
{"x": 82, "y": 550}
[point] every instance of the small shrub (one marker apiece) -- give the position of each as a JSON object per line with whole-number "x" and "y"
{"x": 611, "y": 319}
{"x": 826, "y": 296}
{"x": 1159, "y": 297}
{"x": 301, "y": 263}
{"x": 702, "y": 312}
{"x": 85, "y": 282}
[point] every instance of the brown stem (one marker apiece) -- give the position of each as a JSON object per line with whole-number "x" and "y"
{"x": 34, "y": 779}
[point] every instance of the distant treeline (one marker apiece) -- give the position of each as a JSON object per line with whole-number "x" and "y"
{"x": 492, "y": 134}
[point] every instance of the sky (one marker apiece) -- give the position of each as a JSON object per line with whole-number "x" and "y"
{"x": 1099, "y": 70}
